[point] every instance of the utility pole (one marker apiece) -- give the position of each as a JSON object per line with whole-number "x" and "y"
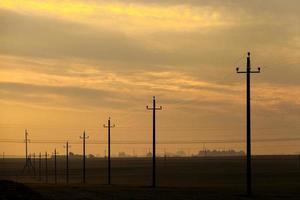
{"x": 83, "y": 156}
{"x": 109, "y": 161}
{"x": 26, "y": 145}
{"x": 34, "y": 164}
{"x": 40, "y": 166}
{"x": 67, "y": 161}
{"x": 248, "y": 115}
{"x": 28, "y": 165}
{"x": 55, "y": 167}
{"x": 154, "y": 108}
{"x": 46, "y": 166}
{"x": 299, "y": 161}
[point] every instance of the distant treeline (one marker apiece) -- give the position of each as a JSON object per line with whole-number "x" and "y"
{"x": 229, "y": 152}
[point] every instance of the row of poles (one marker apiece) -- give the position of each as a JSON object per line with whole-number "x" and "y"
{"x": 248, "y": 72}
{"x": 29, "y": 165}
{"x": 38, "y": 172}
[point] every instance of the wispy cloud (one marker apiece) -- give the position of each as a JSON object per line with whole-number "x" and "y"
{"x": 108, "y": 57}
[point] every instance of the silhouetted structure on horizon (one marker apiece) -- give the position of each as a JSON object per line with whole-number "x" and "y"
{"x": 28, "y": 164}
{"x": 109, "y": 160}
{"x": 248, "y": 115}
{"x": 67, "y": 161}
{"x": 154, "y": 108}
{"x": 83, "y": 137}
{"x": 212, "y": 153}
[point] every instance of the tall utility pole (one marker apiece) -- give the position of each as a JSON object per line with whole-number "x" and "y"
{"x": 83, "y": 156}
{"x": 67, "y": 161}
{"x": 299, "y": 161}
{"x": 154, "y": 108}
{"x": 34, "y": 164}
{"x": 55, "y": 168}
{"x": 40, "y": 166}
{"x": 46, "y": 167}
{"x": 26, "y": 145}
{"x": 248, "y": 115}
{"x": 28, "y": 165}
{"x": 109, "y": 161}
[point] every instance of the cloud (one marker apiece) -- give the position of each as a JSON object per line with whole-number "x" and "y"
{"x": 128, "y": 17}
{"x": 213, "y": 50}
{"x": 88, "y": 86}
{"x": 113, "y": 56}
{"x": 62, "y": 97}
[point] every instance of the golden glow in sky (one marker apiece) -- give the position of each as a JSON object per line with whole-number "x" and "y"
{"x": 65, "y": 66}
{"x": 123, "y": 16}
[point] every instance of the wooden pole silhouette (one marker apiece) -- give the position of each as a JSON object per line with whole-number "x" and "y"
{"x": 26, "y": 145}
{"x": 299, "y": 161}
{"x": 40, "y": 166}
{"x": 248, "y": 115}
{"x": 28, "y": 164}
{"x": 55, "y": 167}
{"x": 46, "y": 167}
{"x": 34, "y": 173}
{"x": 109, "y": 126}
{"x": 83, "y": 156}
{"x": 154, "y": 108}
{"x": 67, "y": 161}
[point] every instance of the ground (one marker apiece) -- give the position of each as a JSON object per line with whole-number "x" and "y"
{"x": 274, "y": 177}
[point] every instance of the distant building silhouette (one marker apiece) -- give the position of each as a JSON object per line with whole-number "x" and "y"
{"x": 214, "y": 152}
{"x": 123, "y": 154}
{"x": 180, "y": 154}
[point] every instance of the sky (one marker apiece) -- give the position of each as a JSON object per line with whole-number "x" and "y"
{"x": 66, "y": 66}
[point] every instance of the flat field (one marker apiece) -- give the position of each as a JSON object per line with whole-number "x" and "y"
{"x": 274, "y": 177}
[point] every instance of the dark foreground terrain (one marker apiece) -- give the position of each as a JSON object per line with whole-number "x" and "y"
{"x": 274, "y": 177}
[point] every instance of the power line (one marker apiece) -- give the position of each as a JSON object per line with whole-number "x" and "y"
{"x": 149, "y": 142}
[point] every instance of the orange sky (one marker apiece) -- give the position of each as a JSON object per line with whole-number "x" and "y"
{"x": 65, "y": 66}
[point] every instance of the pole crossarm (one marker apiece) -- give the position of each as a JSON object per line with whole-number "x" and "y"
{"x": 84, "y": 136}
{"x": 150, "y": 108}
{"x": 109, "y": 125}
{"x": 55, "y": 153}
{"x": 67, "y": 145}
{"x": 244, "y": 72}
{"x": 248, "y": 68}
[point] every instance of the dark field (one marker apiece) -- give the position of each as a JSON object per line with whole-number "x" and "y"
{"x": 274, "y": 177}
